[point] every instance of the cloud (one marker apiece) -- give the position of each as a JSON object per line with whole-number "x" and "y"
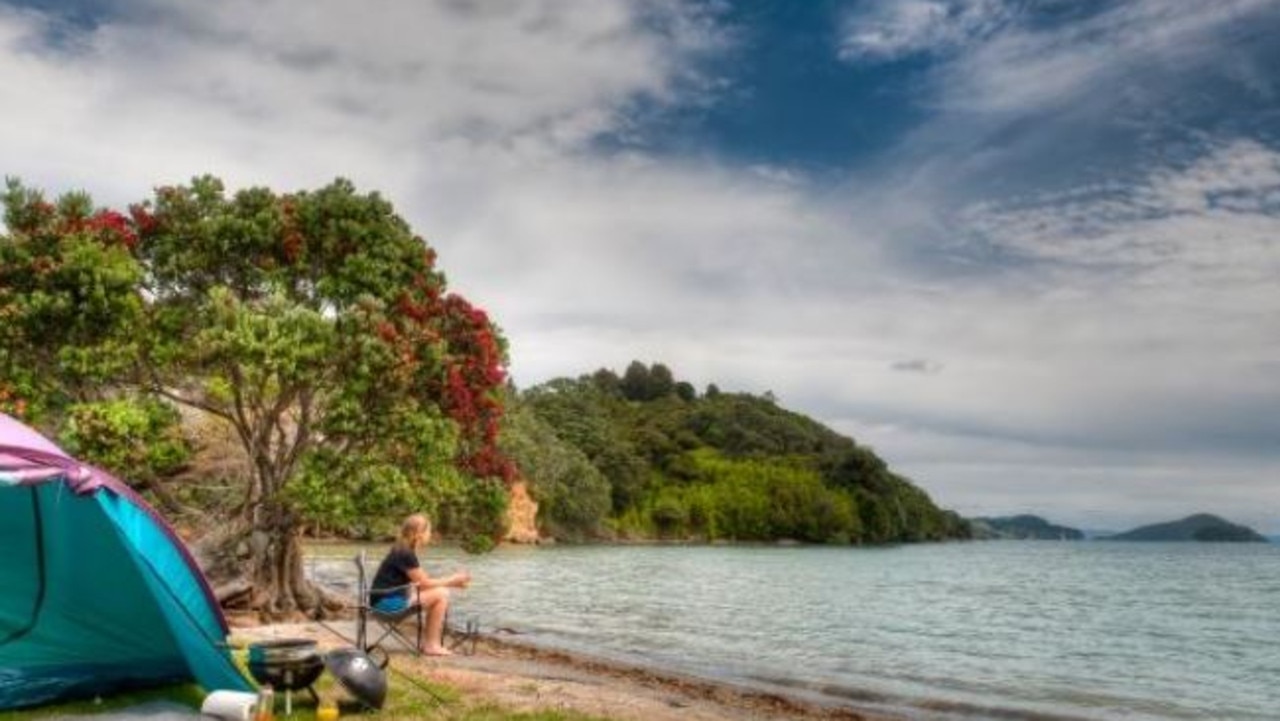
{"x": 1089, "y": 327}
{"x": 1003, "y": 57}
{"x": 477, "y": 122}
{"x": 1087, "y": 487}
{"x": 1093, "y": 269}
{"x": 1033, "y": 67}
{"x": 885, "y": 31}
{"x": 917, "y": 365}
{"x": 313, "y": 90}
{"x": 1201, "y": 240}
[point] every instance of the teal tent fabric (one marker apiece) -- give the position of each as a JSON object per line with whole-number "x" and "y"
{"x": 97, "y": 595}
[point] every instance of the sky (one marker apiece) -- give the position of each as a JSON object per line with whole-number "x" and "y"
{"x": 1027, "y": 250}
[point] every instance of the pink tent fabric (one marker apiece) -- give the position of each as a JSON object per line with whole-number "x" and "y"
{"x": 28, "y": 457}
{"x": 14, "y": 433}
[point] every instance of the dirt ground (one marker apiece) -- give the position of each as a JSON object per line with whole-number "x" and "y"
{"x": 524, "y": 678}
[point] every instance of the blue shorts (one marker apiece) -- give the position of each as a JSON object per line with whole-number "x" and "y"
{"x": 392, "y": 604}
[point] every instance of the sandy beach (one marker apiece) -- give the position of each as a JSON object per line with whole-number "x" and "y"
{"x": 522, "y": 677}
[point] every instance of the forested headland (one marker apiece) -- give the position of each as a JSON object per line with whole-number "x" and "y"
{"x": 643, "y": 455}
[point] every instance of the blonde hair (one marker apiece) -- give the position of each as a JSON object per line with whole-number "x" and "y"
{"x": 411, "y": 530}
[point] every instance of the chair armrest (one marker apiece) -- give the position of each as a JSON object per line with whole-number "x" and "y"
{"x": 391, "y": 589}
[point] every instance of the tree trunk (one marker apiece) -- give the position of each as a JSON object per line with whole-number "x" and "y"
{"x": 258, "y": 569}
{"x": 281, "y": 590}
{"x": 256, "y": 565}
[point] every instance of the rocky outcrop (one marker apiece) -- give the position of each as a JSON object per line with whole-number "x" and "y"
{"x": 522, "y": 516}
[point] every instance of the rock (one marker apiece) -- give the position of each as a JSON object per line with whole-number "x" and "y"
{"x": 522, "y": 515}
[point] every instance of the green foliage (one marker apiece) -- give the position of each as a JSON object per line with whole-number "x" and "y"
{"x": 685, "y": 391}
{"x": 724, "y": 466}
{"x": 142, "y": 437}
{"x": 477, "y": 514}
{"x": 641, "y": 383}
{"x": 741, "y": 424}
{"x": 364, "y": 494}
{"x": 749, "y": 499}
{"x": 69, "y": 303}
{"x": 582, "y": 416}
{"x": 314, "y": 324}
{"x": 573, "y": 496}
{"x": 478, "y": 543}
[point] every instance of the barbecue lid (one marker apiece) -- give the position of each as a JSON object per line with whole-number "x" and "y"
{"x": 359, "y": 675}
{"x": 282, "y": 650}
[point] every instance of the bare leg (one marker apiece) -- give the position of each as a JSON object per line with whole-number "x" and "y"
{"x": 436, "y": 603}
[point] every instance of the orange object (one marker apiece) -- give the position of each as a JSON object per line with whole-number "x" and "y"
{"x": 266, "y": 704}
{"x": 328, "y": 711}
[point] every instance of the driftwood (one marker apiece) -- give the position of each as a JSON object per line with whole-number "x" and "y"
{"x": 235, "y": 593}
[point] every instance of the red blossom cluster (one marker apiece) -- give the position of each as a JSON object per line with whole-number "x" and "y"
{"x": 473, "y": 372}
{"x": 144, "y": 222}
{"x": 114, "y": 227}
{"x": 474, "y": 379}
{"x": 291, "y": 240}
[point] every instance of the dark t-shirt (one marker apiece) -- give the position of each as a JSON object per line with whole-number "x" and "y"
{"x": 393, "y": 573}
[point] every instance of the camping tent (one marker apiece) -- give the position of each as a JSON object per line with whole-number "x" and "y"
{"x": 97, "y": 593}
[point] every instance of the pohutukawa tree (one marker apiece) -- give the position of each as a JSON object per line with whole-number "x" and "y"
{"x": 314, "y": 323}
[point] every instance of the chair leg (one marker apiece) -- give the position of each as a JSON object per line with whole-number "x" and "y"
{"x": 421, "y": 623}
{"x": 392, "y": 627}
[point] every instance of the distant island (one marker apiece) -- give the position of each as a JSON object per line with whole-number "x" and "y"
{"x": 1200, "y": 527}
{"x": 1023, "y": 527}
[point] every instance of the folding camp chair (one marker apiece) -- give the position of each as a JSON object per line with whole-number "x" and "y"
{"x": 385, "y": 624}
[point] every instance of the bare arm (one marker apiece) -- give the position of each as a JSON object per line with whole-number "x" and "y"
{"x": 419, "y": 577}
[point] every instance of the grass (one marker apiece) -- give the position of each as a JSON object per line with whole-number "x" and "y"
{"x": 186, "y": 695}
{"x": 409, "y": 698}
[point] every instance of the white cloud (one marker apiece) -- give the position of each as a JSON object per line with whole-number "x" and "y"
{"x": 297, "y": 93}
{"x": 1119, "y": 345}
{"x": 1206, "y": 234}
{"x": 892, "y": 29}
{"x": 1000, "y": 60}
{"x": 1132, "y": 309}
{"x": 1137, "y": 316}
{"x": 1026, "y": 68}
{"x": 1089, "y": 488}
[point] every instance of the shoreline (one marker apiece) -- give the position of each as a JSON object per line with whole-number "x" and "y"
{"x": 526, "y": 677}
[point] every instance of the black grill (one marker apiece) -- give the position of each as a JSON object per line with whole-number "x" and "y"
{"x": 287, "y": 664}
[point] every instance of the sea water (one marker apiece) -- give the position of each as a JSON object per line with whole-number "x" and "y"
{"x": 981, "y": 630}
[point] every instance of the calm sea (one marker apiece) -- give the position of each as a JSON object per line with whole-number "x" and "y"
{"x": 993, "y": 630}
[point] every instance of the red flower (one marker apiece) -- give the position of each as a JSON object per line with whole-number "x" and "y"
{"x": 113, "y": 227}
{"x": 143, "y": 220}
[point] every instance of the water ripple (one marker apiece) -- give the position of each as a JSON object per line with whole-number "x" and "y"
{"x": 1094, "y": 631}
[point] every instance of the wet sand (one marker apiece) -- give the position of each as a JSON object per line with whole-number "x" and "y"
{"x": 522, "y": 677}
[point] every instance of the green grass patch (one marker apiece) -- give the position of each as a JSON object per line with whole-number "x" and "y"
{"x": 409, "y": 698}
{"x": 186, "y": 695}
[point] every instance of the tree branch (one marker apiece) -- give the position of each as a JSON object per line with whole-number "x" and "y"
{"x": 155, "y": 386}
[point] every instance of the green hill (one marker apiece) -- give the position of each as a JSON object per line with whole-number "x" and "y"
{"x": 1023, "y": 527}
{"x": 645, "y": 456}
{"x": 1200, "y": 527}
